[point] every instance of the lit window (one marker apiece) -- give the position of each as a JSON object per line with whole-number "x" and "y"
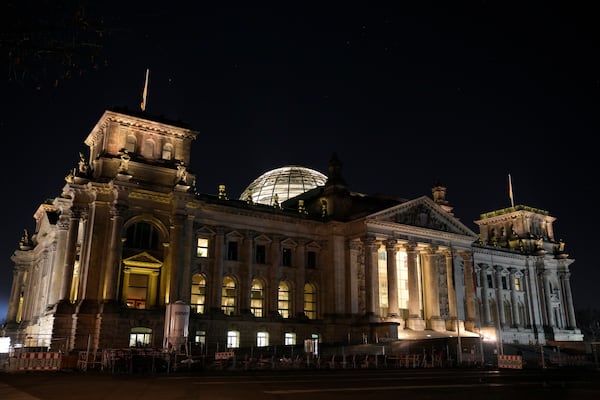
{"x": 167, "y": 152}
{"x": 233, "y": 339}
{"x": 140, "y": 337}
{"x": 202, "y": 247}
{"x": 262, "y": 339}
{"x": 283, "y": 299}
{"x": 310, "y": 301}
{"x": 200, "y": 338}
{"x": 257, "y": 298}
{"x": 198, "y": 298}
{"x": 137, "y": 290}
{"x": 518, "y": 284}
{"x": 228, "y": 296}
{"x": 289, "y": 338}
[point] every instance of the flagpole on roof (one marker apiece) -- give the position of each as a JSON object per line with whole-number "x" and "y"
{"x": 145, "y": 92}
{"x": 510, "y": 192}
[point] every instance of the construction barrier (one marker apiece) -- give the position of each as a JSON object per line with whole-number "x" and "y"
{"x": 513, "y": 362}
{"x": 28, "y": 361}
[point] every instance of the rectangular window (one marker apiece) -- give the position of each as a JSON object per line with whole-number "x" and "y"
{"x": 286, "y": 257}
{"x": 198, "y": 296}
{"x": 200, "y": 338}
{"x": 490, "y": 281}
{"x": 262, "y": 339}
{"x": 261, "y": 254}
{"x": 504, "y": 283}
{"x": 202, "y": 247}
{"x": 232, "y": 251}
{"x": 137, "y": 291}
{"x": 518, "y": 284}
{"x": 233, "y": 339}
{"x": 311, "y": 260}
{"x": 289, "y": 339}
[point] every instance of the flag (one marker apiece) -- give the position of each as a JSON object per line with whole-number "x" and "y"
{"x": 145, "y": 92}
{"x": 510, "y": 192}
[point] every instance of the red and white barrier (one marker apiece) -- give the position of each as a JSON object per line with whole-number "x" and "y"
{"x": 27, "y": 361}
{"x": 514, "y": 362}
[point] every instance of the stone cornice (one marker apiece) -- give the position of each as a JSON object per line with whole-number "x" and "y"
{"x": 140, "y": 124}
{"x": 150, "y": 195}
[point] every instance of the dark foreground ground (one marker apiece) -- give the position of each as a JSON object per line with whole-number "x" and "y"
{"x": 313, "y": 384}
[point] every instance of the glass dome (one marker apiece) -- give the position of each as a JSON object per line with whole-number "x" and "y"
{"x": 285, "y": 182}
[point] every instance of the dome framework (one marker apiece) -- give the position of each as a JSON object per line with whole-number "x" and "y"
{"x": 283, "y": 183}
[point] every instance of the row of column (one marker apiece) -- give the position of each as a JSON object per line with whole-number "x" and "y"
{"x": 430, "y": 294}
{"x": 247, "y": 273}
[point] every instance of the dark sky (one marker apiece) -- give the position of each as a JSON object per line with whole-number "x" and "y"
{"x": 463, "y": 92}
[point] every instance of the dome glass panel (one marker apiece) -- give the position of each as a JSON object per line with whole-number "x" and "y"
{"x": 285, "y": 182}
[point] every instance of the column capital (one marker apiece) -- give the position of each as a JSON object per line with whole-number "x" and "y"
{"x": 390, "y": 244}
{"x": 370, "y": 241}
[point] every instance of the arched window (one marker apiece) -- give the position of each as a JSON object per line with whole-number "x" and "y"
{"x": 130, "y": 144}
{"x": 141, "y": 266}
{"x": 284, "y": 305}
{"x": 310, "y": 301}
{"x": 228, "y": 296}
{"x": 167, "y": 151}
{"x": 198, "y": 298}
{"x": 148, "y": 150}
{"x": 142, "y": 235}
{"x": 257, "y": 298}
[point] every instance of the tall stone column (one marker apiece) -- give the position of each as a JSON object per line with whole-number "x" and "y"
{"x": 431, "y": 291}
{"x": 217, "y": 271}
{"x": 298, "y": 286}
{"x": 566, "y": 283}
{"x": 452, "y": 304}
{"x": 513, "y": 298}
{"x": 501, "y": 312}
{"x": 534, "y": 300}
{"x": 80, "y": 291}
{"x": 185, "y": 278}
{"x": 355, "y": 285}
{"x": 548, "y": 298}
{"x": 173, "y": 269}
{"x": 392, "y": 278}
{"x": 470, "y": 295}
{"x": 247, "y": 260}
{"x": 271, "y": 296}
{"x": 371, "y": 276}
{"x": 415, "y": 320}
{"x": 485, "y": 295}
{"x": 65, "y": 291}
{"x": 114, "y": 256}
{"x": 15, "y": 292}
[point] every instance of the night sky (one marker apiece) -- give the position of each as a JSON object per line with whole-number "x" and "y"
{"x": 464, "y": 93}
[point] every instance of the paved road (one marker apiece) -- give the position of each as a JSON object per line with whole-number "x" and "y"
{"x": 306, "y": 384}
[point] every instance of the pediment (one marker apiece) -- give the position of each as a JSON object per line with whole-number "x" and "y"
{"x": 423, "y": 213}
{"x": 205, "y": 231}
{"x": 143, "y": 259}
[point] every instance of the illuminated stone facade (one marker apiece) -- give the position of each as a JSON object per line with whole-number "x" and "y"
{"x": 129, "y": 235}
